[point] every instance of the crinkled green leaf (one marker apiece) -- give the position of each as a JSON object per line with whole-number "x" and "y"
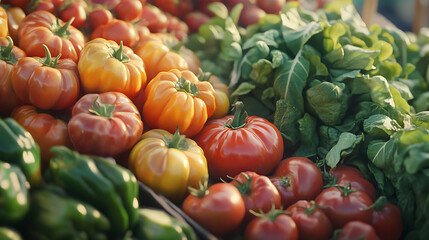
{"x": 296, "y": 38}
{"x": 345, "y": 145}
{"x": 332, "y": 35}
{"x": 328, "y": 101}
{"x": 243, "y": 89}
{"x": 421, "y": 119}
{"x": 400, "y": 102}
{"x": 309, "y": 139}
{"x": 380, "y": 126}
{"x": 416, "y": 157}
{"x": 269, "y": 37}
{"x": 376, "y": 86}
{"x": 261, "y": 72}
{"x": 354, "y": 58}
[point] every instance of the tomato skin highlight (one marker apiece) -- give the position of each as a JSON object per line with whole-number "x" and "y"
{"x": 283, "y": 227}
{"x": 356, "y": 230}
{"x": 387, "y": 222}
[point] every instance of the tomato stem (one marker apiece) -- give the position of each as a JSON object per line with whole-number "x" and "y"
{"x": 203, "y": 186}
{"x": 240, "y": 116}
{"x": 271, "y": 215}
{"x": 177, "y": 141}
{"x": 186, "y": 86}
{"x": 378, "y": 204}
{"x": 243, "y": 188}
{"x": 119, "y": 53}
{"x": 345, "y": 191}
{"x": 62, "y": 31}
{"x": 203, "y": 76}
{"x": 102, "y": 110}
{"x": 47, "y": 61}
{"x": 6, "y": 52}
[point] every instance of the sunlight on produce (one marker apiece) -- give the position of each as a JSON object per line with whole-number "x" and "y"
{"x": 81, "y": 209}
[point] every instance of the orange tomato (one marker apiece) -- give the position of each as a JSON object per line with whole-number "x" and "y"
{"x": 15, "y": 15}
{"x": 3, "y": 23}
{"x": 178, "y": 99}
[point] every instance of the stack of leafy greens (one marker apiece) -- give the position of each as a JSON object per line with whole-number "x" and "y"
{"x": 337, "y": 91}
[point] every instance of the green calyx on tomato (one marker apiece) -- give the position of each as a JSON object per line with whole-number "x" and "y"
{"x": 203, "y": 186}
{"x": 311, "y": 210}
{"x": 243, "y": 188}
{"x": 6, "y": 53}
{"x": 240, "y": 116}
{"x": 378, "y": 204}
{"x": 177, "y": 141}
{"x": 203, "y": 76}
{"x": 119, "y": 53}
{"x": 47, "y": 61}
{"x": 345, "y": 191}
{"x": 271, "y": 215}
{"x": 102, "y": 110}
{"x": 186, "y": 86}
{"x": 61, "y": 31}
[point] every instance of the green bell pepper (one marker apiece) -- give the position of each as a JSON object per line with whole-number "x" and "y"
{"x": 9, "y": 234}
{"x": 109, "y": 187}
{"x": 14, "y": 202}
{"x": 54, "y": 216}
{"x": 18, "y": 147}
{"x": 156, "y": 224}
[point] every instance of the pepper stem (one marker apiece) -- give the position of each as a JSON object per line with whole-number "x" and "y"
{"x": 240, "y": 116}
{"x": 102, "y": 110}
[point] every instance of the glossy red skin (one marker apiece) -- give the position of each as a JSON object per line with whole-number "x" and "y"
{"x": 342, "y": 209}
{"x": 315, "y": 226}
{"x": 128, "y": 10}
{"x": 99, "y": 16}
{"x": 220, "y": 211}
{"x": 344, "y": 174}
{"x": 356, "y": 230}
{"x": 46, "y": 87}
{"x": 282, "y": 228}
{"x": 261, "y": 196}
{"x": 8, "y": 98}
{"x": 195, "y": 19}
{"x": 387, "y": 222}
{"x": 174, "y": 7}
{"x": 202, "y": 6}
{"x": 251, "y": 15}
{"x": 90, "y": 134}
{"x": 117, "y": 30}
{"x": 258, "y": 147}
{"x": 76, "y": 10}
{"x": 155, "y": 19}
{"x": 108, "y": 3}
{"x": 35, "y": 31}
{"x": 297, "y": 178}
{"x": 20, "y": 3}
{"x": 45, "y": 5}
{"x": 271, "y": 6}
{"x": 46, "y": 129}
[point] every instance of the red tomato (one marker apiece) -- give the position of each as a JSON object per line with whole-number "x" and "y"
{"x": 251, "y": 15}
{"x": 275, "y": 225}
{"x": 344, "y": 174}
{"x": 177, "y": 27}
{"x": 117, "y": 30}
{"x": 356, "y": 230}
{"x": 387, "y": 220}
{"x": 311, "y": 221}
{"x": 108, "y": 3}
{"x": 297, "y": 178}
{"x": 174, "y": 7}
{"x": 106, "y": 119}
{"x": 41, "y": 27}
{"x": 203, "y": 6}
{"x": 128, "y": 10}
{"x": 271, "y": 6}
{"x": 155, "y": 19}
{"x": 44, "y": 5}
{"x": 46, "y": 129}
{"x": 99, "y": 16}
{"x": 218, "y": 208}
{"x": 195, "y": 19}
{"x": 343, "y": 204}
{"x": 258, "y": 193}
{"x": 20, "y": 3}
{"x": 74, "y": 10}
{"x": 238, "y": 143}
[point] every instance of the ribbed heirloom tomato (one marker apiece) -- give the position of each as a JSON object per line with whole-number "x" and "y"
{"x": 107, "y": 66}
{"x": 104, "y": 124}
{"x": 178, "y": 99}
{"x": 45, "y": 82}
{"x": 117, "y": 30}
{"x": 42, "y": 27}
{"x": 238, "y": 143}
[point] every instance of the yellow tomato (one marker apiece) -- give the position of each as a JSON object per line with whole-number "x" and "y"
{"x": 105, "y": 66}
{"x": 3, "y": 23}
{"x": 168, "y": 163}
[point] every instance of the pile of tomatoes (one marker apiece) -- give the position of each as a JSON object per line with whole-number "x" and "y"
{"x": 113, "y": 78}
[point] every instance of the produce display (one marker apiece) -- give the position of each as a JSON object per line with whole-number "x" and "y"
{"x": 210, "y": 119}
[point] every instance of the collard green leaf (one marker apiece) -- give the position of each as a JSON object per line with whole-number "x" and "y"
{"x": 328, "y": 137}
{"x": 243, "y": 89}
{"x": 328, "y": 101}
{"x": 421, "y": 119}
{"x": 376, "y": 86}
{"x": 400, "y": 103}
{"x": 422, "y": 102}
{"x": 416, "y": 157}
{"x": 309, "y": 139}
{"x": 354, "y": 58}
{"x": 380, "y": 126}
{"x": 381, "y": 153}
{"x": 339, "y": 75}
{"x": 296, "y": 38}
{"x": 270, "y": 37}
{"x": 345, "y": 145}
